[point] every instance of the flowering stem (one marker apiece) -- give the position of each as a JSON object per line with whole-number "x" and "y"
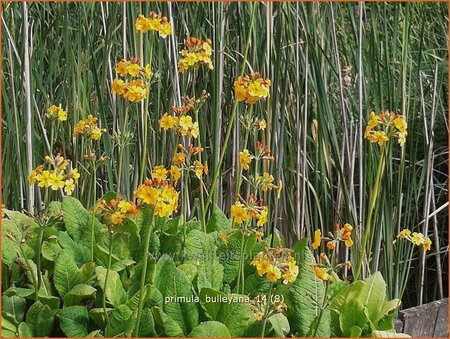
{"x": 247, "y": 132}
{"x": 38, "y": 261}
{"x": 241, "y": 265}
{"x": 232, "y": 117}
{"x": 144, "y": 274}
{"x": 266, "y": 312}
{"x": 94, "y": 194}
{"x": 202, "y": 193}
{"x": 111, "y": 235}
{"x": 407, "y": 273}
{"x": 121, "y": 151}
{"x": 144, "y": 105}
{"x": 372, "y": 202}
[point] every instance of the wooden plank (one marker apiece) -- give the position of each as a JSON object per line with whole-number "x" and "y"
{"x": 426, "y": 320}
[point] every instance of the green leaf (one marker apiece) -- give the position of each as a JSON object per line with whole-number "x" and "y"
{"x": 15, "y": 306}
{"x": 235, "y": 315}
{"x": 280, "y": 325}
{"x": 73, "y": 321}
{"x": 147, "y": 324}
{"x": 210, "y": 329}
{"x": 115, "y": 293}
{"x": 79, "y": 251}
{"x": 50, "y": 300}
{"x": 388, "y": 307}
{"x": 50, "y": 250}
{"x": 351, "y": 315}
{"x": 78, "y": 293}
{"x": 121, "y": 322}
{"x": 8, "y": 328}
{"x": 78, "y": 221}
{"x": 306, "y": 293}
{"x": 169, "y": 326}
{"x": 40, "y": 319}
{"x": 24, "y": 330}
{"x": 373, "y": 295}
{"x": 255, "y": 285}
{"x": 386, "y": 334}
{"x": 67, "y": 275}
{"x": 218, "y": 221}
{"x": 172, "y": 282}
{"x": 355, "y": 332}
{"x": 190, "y": 270}
{"x": 19, "y": 291}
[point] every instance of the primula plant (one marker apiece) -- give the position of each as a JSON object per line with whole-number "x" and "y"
{"x": 188, "y": 179}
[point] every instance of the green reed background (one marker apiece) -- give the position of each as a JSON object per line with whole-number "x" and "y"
{"x": 330, "y": 64}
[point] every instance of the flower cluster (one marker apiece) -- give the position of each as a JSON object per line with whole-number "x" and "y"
{"x": 245, "y": 158}
{"x": 244, "y": 211}
{"x": 184, "y": 125}
{"x": 115, "y": 211}
{"x": 134, "y": 87}
{"x": 251, "y": 88}
{"x": 158, "y": 192}
{"x": 56, "y": 176}
{"x": 155, "y": 22}
{"x": 416, "y": 238}
{"x": 260, "y": 303}
{"x": 197, "y": 52}
{"x": 56, "y": 113}
{"x": 342, "y": 234}
{"x": 88, "y": 128}
{"x": 384, "y": 126}
{"x": 275, "y": 264}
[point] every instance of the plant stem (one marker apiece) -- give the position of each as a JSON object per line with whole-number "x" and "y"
{"x": 144, "y": 274}
{"x": 266, "y": 312}
{"x": 38, "y": 261}
{"x": 94, "y": 194}
{"x": 372, "y": 202}
{"x": 241, "y": 265}
{"x": 232, "y": 117}
{"x": 111, "y": 237}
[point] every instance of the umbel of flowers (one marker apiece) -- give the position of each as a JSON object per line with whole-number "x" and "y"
{"x": 276, "y": 264}
{"x": 384, "y": 126}
{"x": 115, "y": 211}
{"x": 343, "y": 234}
{"x": 88, "y": 128}
{"x": 55, "y": 174}
{"x": 159, "y": 193}
{"x": 196, "y": 53}
{"x": 132, "y": 82}
{"x": 56, "y": 113}
{"x": 251, "y": 88}
{"x": 154, "y": 23}
{"x": 415, "y": 238}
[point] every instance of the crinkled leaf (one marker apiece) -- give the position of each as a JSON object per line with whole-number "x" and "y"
{"x": 170, "y": 327}
{"x": 15, "y": 306}
{"x": 218, "y": 221}
{"x": 67, "y": 273}
{"x": 78, "y": 293}
{"x": 73, "y": 321}
{"x": 210, "y": 329}
{"x": 121, "y": 322}
{"x": 115, "y": 293}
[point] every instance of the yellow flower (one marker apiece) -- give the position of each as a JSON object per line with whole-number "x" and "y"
{"x": 147, "y": 195}
{"x": 165, "y": 29}
{"x": 96, "y": 133}
{"x": 117, "y": 218}
{"x": 179, "y": 158}
{"x": 290, "y": 275}
{"x": 379, "y": 137}
{"x": 133, "y": 69}
{"x": 400, "y": 123}
{"x": 194, "y": 130}
{"x": 142, "y": 24}
{"x": 199, "y": 168}
{"x": 175, "y": 173}
{"x": 62, "y": 115}
{"x": 258, "y": 89}
{"x": 74, "y": 174}
{"x": 43, "y": 179}
{"x": 32, "y": 177}
{"x": 259, "y": 236}
{"x": 239, "y": 213}
{"x": 122, "y": 68}
{"x": 273, "y": 273}
{"x": 320, "y": 272}
{"x": 224, "y": 237}
{"x": 55, "y": 180}
{"x": 262, "y": 265}
{"x": 186, "y": 122}
{"x": 259, "y": 315}
{"x": 317, "y": 239}
{"x": 167, "y": 122}
{"x": 69, "y": 186}
{"x": 118, "y": 86}
{"x": 426, "y": 244}
{"x": 159, "y": 172}
{"x": 267, "y": 181}
{"x": 262, "y": 125}
{"x": 402, "y": 138}
{"x": 196, "y": 53}
{"x": 147, "y": 71}
{"x": 417, "y": 238}
{"x": 244, "y": 159}
{"x": 263, "y": 216}
{"x": 136, "y": 93}
{"x": 404, "y": 234}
